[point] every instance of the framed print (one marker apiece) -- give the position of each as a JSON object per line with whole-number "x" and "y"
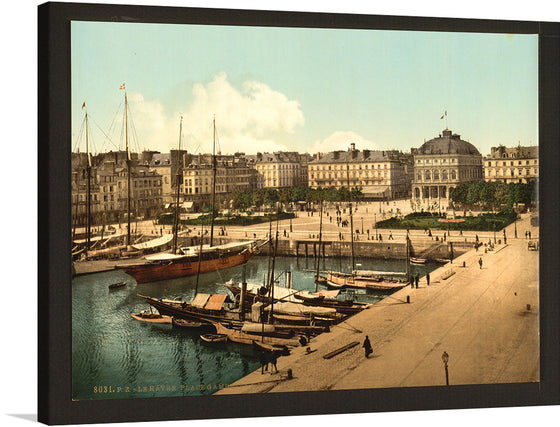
{"x": 250, "y": 213}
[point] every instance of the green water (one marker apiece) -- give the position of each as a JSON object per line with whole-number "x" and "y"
{"x": 116, "y": 356}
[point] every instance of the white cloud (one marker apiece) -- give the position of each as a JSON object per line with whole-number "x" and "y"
{"x": 341, "y": 140}
{"x": 247, "y": 119}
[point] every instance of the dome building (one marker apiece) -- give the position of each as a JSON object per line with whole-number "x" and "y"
{"x": 442, "y": 163}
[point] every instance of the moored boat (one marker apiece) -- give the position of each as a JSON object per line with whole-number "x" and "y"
{"x": 213, "y": 338}
{"x": 117, "y": 285}
{"x": 338, "y": 280}
{"x": 414, "y": 260}
{"x": 182, "y": 323}
{"x": 170, "y": 266}
{"x": 152, "y": 317}
{"x": 236, "y": 335}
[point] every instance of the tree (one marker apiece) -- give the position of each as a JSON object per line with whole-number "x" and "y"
{"x": 258, "y": 197}
{"x": 271, "y": 196}
{"x": 343, "y": 194}
{"x": 459, "y": 193}
{"x": 242, "y": 199}
{"x": 487, "y": 193}
{"x": 298, "y": 193}
{"x": 474, "y": 189}
{"x": 501, "y": 194}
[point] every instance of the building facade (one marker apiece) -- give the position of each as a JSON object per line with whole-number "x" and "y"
{"x": 282, "y": 169}
{"x": 232, "y": 174}
{"x": 512, "y": 164}
{"x": 383, "y": 175}
{"x": 108, "y": 189}
{"x": 442, "y": 163}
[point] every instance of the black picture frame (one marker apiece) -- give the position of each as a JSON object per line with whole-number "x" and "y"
{"x": 54, "y": 293}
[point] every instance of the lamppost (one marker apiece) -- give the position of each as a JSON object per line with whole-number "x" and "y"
{"x": 375, "y": 225}
{"x": 515, "y": 225}
{"x": 362, "y": 225}
{"x": 445, "y": 359}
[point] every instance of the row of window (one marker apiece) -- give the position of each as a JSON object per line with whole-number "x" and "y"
{"x": 511, "y": 163}
{"x": 344, "y": 167}
{"x": 509, "y": 172}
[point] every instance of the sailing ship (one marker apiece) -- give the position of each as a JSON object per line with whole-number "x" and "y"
{"x": 191, "y": 260}
{"x": 363, "y": 279}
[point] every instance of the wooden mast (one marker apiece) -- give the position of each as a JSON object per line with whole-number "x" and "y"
{"x": 351, "y": 216}
{"x": 319, "y": 253}
{"x": 270, "y": 320}
{"x": 128, "y": 167}
{"x": 213, "y": 183}
{"x": 88, "y": 193}
{"x": 178, "y": 183}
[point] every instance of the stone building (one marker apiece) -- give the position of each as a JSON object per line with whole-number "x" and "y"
{"x": 281, "y": 169}
{"x": 383, "y": 175}
{"x": 108, "y": 189}
{"x": 441, "y": 163}
{"x": 512, "y": 164}
{"x": 232, "y": 174}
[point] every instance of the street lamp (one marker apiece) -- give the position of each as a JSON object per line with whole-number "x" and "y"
{"x": 445, "y": 359}
{"x": 362, "y": 225}
{"x": 375, "y": 225}
{"x": 515, "y": 225}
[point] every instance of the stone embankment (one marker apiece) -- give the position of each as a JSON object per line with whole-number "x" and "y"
{"x": 484, "y": 316}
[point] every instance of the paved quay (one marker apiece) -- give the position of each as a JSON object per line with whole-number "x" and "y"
{"x": 486, "y": 319}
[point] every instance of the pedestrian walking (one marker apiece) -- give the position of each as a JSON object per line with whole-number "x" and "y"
{"x": 525, "y": 235}
{"x": 390, "y": 235}
{"x": 529, "y": 235}
{"x": 416, "y": 280}
{"x": 480, "y": 262}
{"x": 428, "y": 279}
{"x": 367, "y": 347}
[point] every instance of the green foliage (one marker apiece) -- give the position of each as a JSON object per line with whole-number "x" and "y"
{"x": 242, "y": 200}
{"x": 428, "y": 220}
{"x": 493, "y": 194}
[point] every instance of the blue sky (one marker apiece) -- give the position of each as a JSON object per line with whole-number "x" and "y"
{"x": 302, "y": 89}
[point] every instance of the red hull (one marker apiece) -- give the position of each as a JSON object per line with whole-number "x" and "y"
{"x": 144, "y": 273}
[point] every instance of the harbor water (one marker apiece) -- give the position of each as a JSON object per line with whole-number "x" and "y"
{"x": 115, "y": 356}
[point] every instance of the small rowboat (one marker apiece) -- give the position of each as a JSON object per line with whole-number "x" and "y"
{"x": 117, "y": 285}
{"x": 152, "y": 318}
{"x": 214, "y": 337}
{"x": 417, "y": 260}
{"x": 186, "y": 323}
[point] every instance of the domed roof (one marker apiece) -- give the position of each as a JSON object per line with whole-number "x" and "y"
{"x": 447, "y": 143}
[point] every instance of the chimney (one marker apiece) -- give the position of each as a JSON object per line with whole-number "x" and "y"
{"x": 352, "y": 147}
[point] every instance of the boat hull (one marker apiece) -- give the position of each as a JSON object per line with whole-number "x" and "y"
{"x": 144, "y": 273}
{"x": 161, "y": 319}
{"x": 342, "y": 280}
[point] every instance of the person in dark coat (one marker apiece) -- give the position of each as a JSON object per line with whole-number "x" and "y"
{"x": 416, "y": 280}
{"x": 367, "y": 347}
{"x": 480, "y": 262}
{"x": 428, "y": 279}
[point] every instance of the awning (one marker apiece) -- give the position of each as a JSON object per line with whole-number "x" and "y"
{"x": 215, "y": 302}
{"x": 376, "y": 191}
{"x": 200, "y": 300}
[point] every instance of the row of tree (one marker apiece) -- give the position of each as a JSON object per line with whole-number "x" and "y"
{"x": 270, "y": 196}
{"x": 494, "y": 194}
